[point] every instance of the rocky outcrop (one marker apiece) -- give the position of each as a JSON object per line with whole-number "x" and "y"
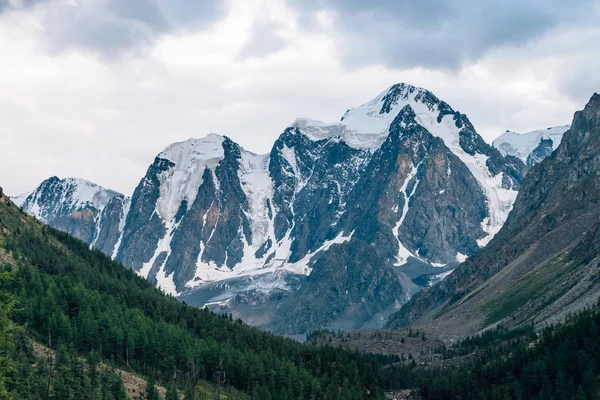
{"x": 143, "y": 227}
{"x": 109, "y": 225}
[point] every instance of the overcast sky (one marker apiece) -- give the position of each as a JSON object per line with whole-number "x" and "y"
{"x": 96, "y": 88}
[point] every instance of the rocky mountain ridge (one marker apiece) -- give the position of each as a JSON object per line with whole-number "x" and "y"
{"x": 543, "y": 263}
{"x": 339, "y": 224}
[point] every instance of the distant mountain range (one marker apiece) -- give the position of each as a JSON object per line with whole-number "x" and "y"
{"x": 531, "y": 147}
{"x": 338, "y": 226}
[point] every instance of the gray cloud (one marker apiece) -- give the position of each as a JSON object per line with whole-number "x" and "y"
{"x": 113, "y": 27}
{"x": 579, "y": 84}
{"x": 264, "y": 39}
{"x": 14, "y": 5}
{"x": 438, "y": 33}
{"x": 74, "y": 114}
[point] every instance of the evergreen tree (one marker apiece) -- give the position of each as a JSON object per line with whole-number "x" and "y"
{"x": 188, "y": 394}
{"x": 151, "y": 393}
{"x": 172, "y": 393}
{"x": 7, "y": 303}
{"x": 114, "y": 388}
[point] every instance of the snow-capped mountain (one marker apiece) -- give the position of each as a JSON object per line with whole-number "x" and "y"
{"x": 543, "y": 265}
{"x": 73, "y": 205}
{"x": 531, "y": 147}
{"x": 340, "y": 223}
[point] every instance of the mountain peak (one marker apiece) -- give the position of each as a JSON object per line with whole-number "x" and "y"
{"x": 54, "y": 196}
{"x": 190, "y": 159}
{"x": 404, "y": 91}
{"x": 206, "y": 148}
{"x": 367, "y": 126}
{"x": 592, "y": 108}
{"x": 522, "y": 145}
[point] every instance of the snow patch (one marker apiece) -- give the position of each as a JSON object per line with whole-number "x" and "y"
{"x": 165, "y": 282}
{"x": 289, "y": 154}
{"x": 163, "y": 246}
{"x": 258, "y": 188}
{"x": 438, "y": 278}
{"x": 210, "y": 272}
{"x": 302, "y": 267}
{"x": 181, "y": 182}
{"x": 124, "y": 214}
{"x": 98, "y": 227}
{"x": 88, "y": 193}
{"x": 403, "y": 252}
{"x": 522, "y": 144}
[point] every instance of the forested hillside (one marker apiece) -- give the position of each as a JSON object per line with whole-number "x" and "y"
{"x": 100, "y": 318}
{"x": 557, "y": 363}
{"x": 79, "y": 302}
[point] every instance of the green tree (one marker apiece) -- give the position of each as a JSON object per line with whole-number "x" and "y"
{"x": 115, "y": 387}
{"x": 172, "y": 393}
{"x": 188, "y": 394}
{"x": 7, "y": 330}
{"x": 151, "y": 393}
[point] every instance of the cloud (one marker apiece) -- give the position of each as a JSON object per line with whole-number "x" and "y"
{"x": 15, "y": 5}
{"x": 437, "y": 34}
{"x": 261, "y": 65}
{"x": 114, "y": 27}
{"x": 578, "y": 63}
{"x": 265, "y": 38}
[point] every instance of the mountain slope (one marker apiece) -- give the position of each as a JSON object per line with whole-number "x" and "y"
{"x": 403, "y": 179}
{"x": 79, "y": 299}
{"x": 543, "y": 262}
{"x": 337, "y": 188}
{"x": 531, "y": 147}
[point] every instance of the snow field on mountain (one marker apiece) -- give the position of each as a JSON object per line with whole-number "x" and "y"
{"x": 522, "y": 144}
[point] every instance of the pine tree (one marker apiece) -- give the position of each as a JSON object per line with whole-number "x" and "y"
{"x": 172, "y": 393}
{"x": 64, "y": 384}
{"x": 7, "y": 304}
{"x": 580, "y": 395}
{"x": 188, "y": 394}
{"x": 113, "y": 387}
{"x": 151, "y": 392}
{"x": 589, "y": 382}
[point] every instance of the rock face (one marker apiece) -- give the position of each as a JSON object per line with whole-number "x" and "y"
{"x": 337, "y": 226}
{"x": 531, "y": 147}
{"x": 544, "y": 261}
